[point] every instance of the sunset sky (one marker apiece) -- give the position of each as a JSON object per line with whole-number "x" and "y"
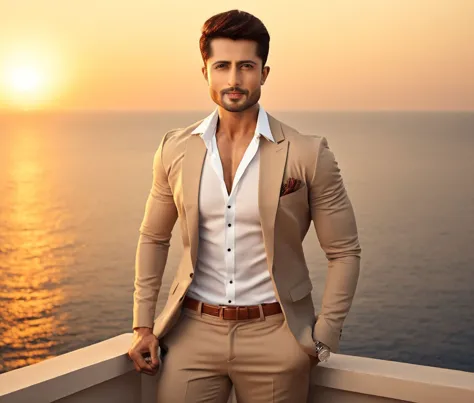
{"x": 324, "y": 55}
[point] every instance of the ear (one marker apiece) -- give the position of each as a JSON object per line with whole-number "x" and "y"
{"x": 204, "y": 72}
{"x": 265, "y": 72}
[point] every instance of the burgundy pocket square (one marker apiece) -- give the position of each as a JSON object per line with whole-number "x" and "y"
{"x": 291, "y": 185}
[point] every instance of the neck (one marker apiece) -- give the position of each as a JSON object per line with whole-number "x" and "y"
{"x": 237, "y": 125}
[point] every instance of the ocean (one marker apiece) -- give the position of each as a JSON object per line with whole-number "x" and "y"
{"x": 73, "y": 188}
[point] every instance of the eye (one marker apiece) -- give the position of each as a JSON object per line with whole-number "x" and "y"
{"x": 220, "y": 65}
{"x": 248, "y": 65}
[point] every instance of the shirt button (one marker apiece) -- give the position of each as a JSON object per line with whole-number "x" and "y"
{"x": 228, "y": 250}
{"x": 228, "y": 206}
{"x": 229, "y": 225}
{"x": 230, "y": 301}
{"x": 231, "y": 281}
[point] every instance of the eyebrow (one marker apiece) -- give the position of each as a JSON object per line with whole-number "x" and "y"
{"x": 239, "y": 62}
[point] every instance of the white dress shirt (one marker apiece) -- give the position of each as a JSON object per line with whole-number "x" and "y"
{"x": 231, "y": 266}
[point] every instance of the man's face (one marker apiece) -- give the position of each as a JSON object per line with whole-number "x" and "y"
{"x": 234, "y": 74}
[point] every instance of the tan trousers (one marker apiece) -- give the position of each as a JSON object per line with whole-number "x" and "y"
{"x": 206, "y": 355}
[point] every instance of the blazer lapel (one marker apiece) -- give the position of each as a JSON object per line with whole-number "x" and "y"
{"x": 272, "y": 168}
{"x": 193, "y": 162}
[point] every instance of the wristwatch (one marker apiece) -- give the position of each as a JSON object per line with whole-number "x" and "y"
{"x": 323, "y": 351}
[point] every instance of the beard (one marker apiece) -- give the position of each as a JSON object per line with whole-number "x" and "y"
{"x": 236, "y": 105}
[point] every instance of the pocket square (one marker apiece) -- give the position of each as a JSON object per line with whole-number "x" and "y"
{"x": 291, "y": 185}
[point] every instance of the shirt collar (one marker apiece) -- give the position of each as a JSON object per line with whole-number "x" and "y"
{"x": 207, "y": 128}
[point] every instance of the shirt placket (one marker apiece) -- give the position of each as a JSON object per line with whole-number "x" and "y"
{"x": 229, "y": 213}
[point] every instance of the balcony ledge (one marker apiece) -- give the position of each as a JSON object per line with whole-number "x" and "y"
{"x": 365, "y": 379}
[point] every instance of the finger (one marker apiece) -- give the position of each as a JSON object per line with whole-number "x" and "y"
{"x": 153, "y": 371}
{"x": 131, "y": 357}
{"x": 154, "y": 354}
{"x": 154, "y": 367}
{"x": 142, "y": 363}
{"x": 136, "y": 361}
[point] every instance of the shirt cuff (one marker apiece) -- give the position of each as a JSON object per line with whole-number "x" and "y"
{"x": 142, "y": 317}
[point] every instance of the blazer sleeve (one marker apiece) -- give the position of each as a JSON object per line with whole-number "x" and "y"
{"x": 153, "y": 243}
{"x": 334, "y": 221}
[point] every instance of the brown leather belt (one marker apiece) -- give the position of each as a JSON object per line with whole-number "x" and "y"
{"x": 233, "y": 312}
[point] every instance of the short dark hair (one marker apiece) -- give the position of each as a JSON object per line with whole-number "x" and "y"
{"x": 235, "y": 24}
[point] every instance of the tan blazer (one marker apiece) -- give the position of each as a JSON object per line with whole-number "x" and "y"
{"x": 322, "y": 198}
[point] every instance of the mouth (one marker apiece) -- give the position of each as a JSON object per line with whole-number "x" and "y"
{"x": 234, "y": 95}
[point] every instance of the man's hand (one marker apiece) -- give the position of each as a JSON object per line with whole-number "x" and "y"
{"x": 144, "y": 341}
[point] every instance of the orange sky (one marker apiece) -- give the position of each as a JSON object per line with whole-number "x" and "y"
{"x": 143, "y": 54}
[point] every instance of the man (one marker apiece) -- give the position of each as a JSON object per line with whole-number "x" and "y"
{"x": 245, "y": 187}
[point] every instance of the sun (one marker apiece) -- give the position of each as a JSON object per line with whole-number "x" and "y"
{"x": 25, "y": 86}
{"x": 29, "y": 80}
{"x": 26, "y": 79}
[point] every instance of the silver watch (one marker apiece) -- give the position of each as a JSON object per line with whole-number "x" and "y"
{"x": 323, "y": 351}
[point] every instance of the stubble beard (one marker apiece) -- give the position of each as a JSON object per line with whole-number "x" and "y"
{"x": 239, "y": 105}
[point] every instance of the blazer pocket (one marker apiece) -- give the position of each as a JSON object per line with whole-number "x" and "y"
{"x": 294, "y": 195}
{"x": 301, "y": 290}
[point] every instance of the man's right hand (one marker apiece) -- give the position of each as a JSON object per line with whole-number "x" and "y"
{"x": 144, "y": 341}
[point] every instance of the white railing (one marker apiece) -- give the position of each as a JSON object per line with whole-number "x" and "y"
{"x": 102, "y": 373}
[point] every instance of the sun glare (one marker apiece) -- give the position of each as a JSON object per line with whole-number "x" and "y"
{"x": 25, "y": 86}
{"x": 25, "y": 79}
{"x": 29, "y": 81}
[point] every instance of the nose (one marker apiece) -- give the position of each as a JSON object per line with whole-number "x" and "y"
{"x": 234, "y": 79}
